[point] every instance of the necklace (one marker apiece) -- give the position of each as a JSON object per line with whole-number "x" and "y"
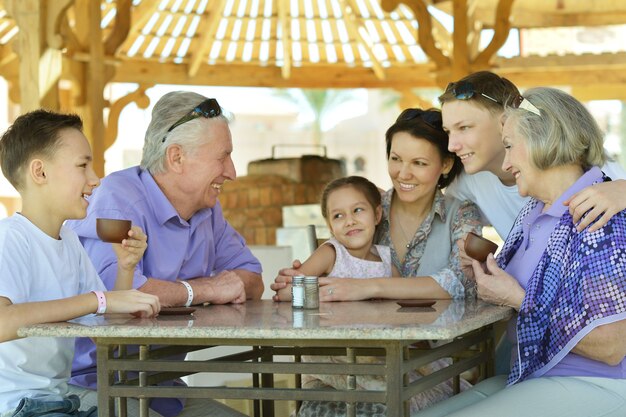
{"x": 408, "y": 241}
{"x": 417, "y": 221}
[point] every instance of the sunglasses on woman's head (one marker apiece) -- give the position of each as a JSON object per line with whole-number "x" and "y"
{"x": 521, "y": 103}
{"x": 208, "y": 109}
{"x": 431, "y": 118}
{"x": 464, "y": 90}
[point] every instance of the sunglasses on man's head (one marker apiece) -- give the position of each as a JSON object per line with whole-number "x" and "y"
{"x": 521, "y": 103}
{"x": 431, "y": 118}
{"x": 208, "y": 109}
{"x": 464, "y": 90}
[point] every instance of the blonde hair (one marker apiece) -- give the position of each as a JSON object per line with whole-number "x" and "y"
{"x": 565, "y": 132}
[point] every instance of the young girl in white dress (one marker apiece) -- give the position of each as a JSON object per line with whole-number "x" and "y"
{"x": 352, "y": 209}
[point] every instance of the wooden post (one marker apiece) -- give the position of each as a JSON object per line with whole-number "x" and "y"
{"x": 90, "y": 64}
{"x": 40, "y": 64}
{"x": 464, "y": 57}
{"x": 95, "y": 83}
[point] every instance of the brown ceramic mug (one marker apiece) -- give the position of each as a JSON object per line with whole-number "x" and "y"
{"x": 112, "y": 230}
{"x": 477, "y": 247}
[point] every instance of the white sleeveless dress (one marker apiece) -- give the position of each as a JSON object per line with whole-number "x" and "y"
{"x": 348, "y": 266}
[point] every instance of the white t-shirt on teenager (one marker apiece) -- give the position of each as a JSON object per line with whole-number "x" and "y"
{"x": 35, "y": 267}
{"x": 499, "y": 204}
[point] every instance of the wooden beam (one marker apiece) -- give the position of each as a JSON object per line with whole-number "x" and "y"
{"x": 319, "y": 76}
{"x": 424, "y": 29}
{"x": 441, "y": 37}
{"x": 408, "y": 99}
{"x": 81, "y": 26}
{"x": 143, "y": 12}
{"x": 70, "y": 39}
{"x": 39, "y": 65}
{"x": 568, "y": 70}
{"x": 460, "y": 64}
{"x": 599, "y": 91}
{"x": 121, "y": 27}
{"x": 207, "y": 38}
{"x": 474, "y": 32}
{"x": 55, "y": 13}
{"x": 571, "y": 78}
{"x": 527, "y": 19}
{"x": 50, "y": 69}
{"x": 95, "y": 86}
{"x": 355, "y": 28}
{"x": 27, "y": 15}
{"x": 501, "y": 34}
{"x": 526, "y": 72}
{"x": 7, "y": 54}
{"x": 560, "y": 62}
{"x": 138, "y": 97}
{"x": 90, "y": 78}
{"x": 284, "y": 20}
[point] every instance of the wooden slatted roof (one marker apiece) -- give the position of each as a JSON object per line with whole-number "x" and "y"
{"x": 334, "y": 43}
{"x": 62, "y": 53}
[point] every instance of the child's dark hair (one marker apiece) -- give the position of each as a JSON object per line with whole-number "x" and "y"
{"x": 35, "y": 133}
{"x": 365, "y": 186}
{"x": 427, "y": 125}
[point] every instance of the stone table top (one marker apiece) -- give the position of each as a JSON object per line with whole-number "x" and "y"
{"x": 265, "y": 319}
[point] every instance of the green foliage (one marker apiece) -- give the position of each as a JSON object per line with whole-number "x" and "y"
{"x": 320, "y": 102}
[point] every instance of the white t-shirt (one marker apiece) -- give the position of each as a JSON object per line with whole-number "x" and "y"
{"x": 35, "y": 267}
{"x": 499, "y": 204}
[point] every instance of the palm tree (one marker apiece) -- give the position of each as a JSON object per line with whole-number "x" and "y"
{"x": 320, "y": 102}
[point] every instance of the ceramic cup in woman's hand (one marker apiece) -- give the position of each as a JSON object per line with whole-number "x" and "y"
{"x": 112, "y": 230}
{"x": 477, "y": 247}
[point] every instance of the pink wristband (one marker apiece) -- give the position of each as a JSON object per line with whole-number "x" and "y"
{"x": 102, "y": 302}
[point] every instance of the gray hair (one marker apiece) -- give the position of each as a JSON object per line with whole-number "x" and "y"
{"x": 564, "y": 133}
{"x": 168, "y": 110}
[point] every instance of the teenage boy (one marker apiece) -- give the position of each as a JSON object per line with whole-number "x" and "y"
{"x": 45, "y": 274}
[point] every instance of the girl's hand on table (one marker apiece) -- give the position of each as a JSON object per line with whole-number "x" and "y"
{"x": 284, "y": 294}
{"x": 282, "y": 283}
{"x": 343, "y": 289}
{"x": 495, "y": 286}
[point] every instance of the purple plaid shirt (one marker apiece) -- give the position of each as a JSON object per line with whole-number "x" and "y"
{"x": 577, "y": 285}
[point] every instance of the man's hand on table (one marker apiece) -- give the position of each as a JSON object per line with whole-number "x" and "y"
{"x": 223, "y": 288}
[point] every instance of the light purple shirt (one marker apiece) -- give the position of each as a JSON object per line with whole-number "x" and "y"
{"x": 177, "y": 249}
{"x": 536, "y": 231}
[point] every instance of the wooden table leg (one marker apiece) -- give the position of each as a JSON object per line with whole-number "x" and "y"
{"x": 394, "y": 378}
{"x": 143, "y": 382}
{"x": 267, "y": 381}
{"x": 106, "y": 405}
{"x": 122, "y": 402}
{"x": 351, "y": 382}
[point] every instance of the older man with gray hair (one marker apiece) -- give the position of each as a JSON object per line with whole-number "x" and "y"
{"x": 194, "y": 256}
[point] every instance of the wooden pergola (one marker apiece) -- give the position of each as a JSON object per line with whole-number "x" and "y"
{"x": 61, "y": 54}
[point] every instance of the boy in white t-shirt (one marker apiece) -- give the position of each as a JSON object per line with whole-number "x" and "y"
{"x": 45, "y": 274}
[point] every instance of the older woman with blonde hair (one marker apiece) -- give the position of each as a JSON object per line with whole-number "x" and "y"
{"x": 568, "y": 286}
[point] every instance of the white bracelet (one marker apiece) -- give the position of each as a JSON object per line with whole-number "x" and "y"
{"x": 189, "y": 293}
